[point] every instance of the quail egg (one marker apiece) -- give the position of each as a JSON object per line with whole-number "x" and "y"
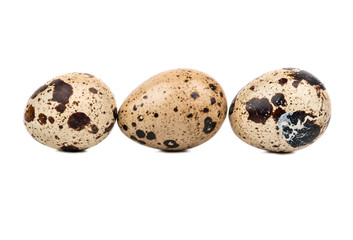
{"x": 174, "y": 110}
{"x": 72, "y": 112}
{"x": 281, "y": 111}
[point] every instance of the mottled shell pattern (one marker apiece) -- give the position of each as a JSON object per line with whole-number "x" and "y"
{"x": 72, "y": 112}
{"x": 281, "y": 111}
{"x": 174, "y": 110}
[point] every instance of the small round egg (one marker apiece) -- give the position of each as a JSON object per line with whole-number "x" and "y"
{"x": 71, "y": 112}
{"x": 281, "y": 111}
{"x": 174, "y": 110}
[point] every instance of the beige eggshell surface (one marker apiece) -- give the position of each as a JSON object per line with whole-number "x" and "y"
{"x": 281, "y": 111}
{"x": 72, "y": 112}
{"x": 174, "y": 110}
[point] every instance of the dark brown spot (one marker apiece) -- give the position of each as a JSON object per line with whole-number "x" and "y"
{"x": 295, "y": 84}
{"x": 221, "y": 94}
{"x": 60, "y": 127}
{"x": 93, "y": 90}
{"x": 145, "y": 97}
{"x": 213, "y": 100}
{"x": 60, "y": 108}
{"x": 151, "y": 136}
{"x": 283, "y": 81}
{"x": 140, "y": 118}
{"x": 70, "y": 148}
{"x": 209, "y": 126}
{"x": 213, "y": 87}
{"x": 278, "y": 113}
{"x": 62, "y": 91}
{"x": 133, "y": 124}
{"x": 206, "y": 110}
{"x": 252, "y": 88}
{"x": 42, "y": 119}
{"x": 156, "y": 115}
{"x": 125, "y": 127}
{"x": 51, "y": 119}
{"x": 140, "y": 133}
{"x": 259, "y": 110}
{"x": 194, "y": 95}
{"x": 189, "y": 116}
{"x": 134, "y": 108}
{"x": 108, "y": 129}
{"x": 29, "y": 114}
{"x": 78, "y": 121}
{"x": 308, "y": 77}
{"x": 279, "y": 100}
{"x": 94, "y": 129}
{"x": 175, "y": 109}
{"x": 171, "y": 144}
{"x": 39, "y": 90}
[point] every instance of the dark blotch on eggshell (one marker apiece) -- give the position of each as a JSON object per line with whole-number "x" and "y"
{"x": 94, "y": 129}
{"x": 209, "y": 125}
{"x": 60, "y": 108}
{"x": 151, "y": 136}
{"x": 51, "y": 119}
{"x": 108, "y": 129}
{"x": 78, "y": 121}
{"x": 259, "y": 110}
{"x": 194, "y": 95}
{"x": 304, "y": 75}
{"x": 62, "y": 91}
{"x": 171, "y": 144}
{"x": 278, "y": 113}
{"x": 140, "y": 133}
{"x": 39, "y": 90}
{"x": 29, "y": 114}
{"x": 93, "y": 90}
{"x": 213, "y": 87}
{"x": 282, "y": 81}
{"x": 70, "y": 148}
{"x": 213, "y": 100}
{"x": 42, "y": 119}
{"x": 279, "y": 100}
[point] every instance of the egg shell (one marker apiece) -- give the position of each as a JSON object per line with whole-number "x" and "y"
{"x": 71, "y": 112}
{"x": 281, "y": 111}
{"x": 174, "y": 110}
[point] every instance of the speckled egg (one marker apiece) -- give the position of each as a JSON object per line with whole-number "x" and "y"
{"x": 281, "y": 111}
{"x": 174, "y": 110}
{"x": 72, "y": 112}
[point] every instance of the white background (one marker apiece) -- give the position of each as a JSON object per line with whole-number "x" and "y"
{"x": 223, "y": 189}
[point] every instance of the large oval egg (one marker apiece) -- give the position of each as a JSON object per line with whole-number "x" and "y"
{"x": 281, "y": 111}
{"x": 174, "y": 110}
{"x": 71, "y": 112}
